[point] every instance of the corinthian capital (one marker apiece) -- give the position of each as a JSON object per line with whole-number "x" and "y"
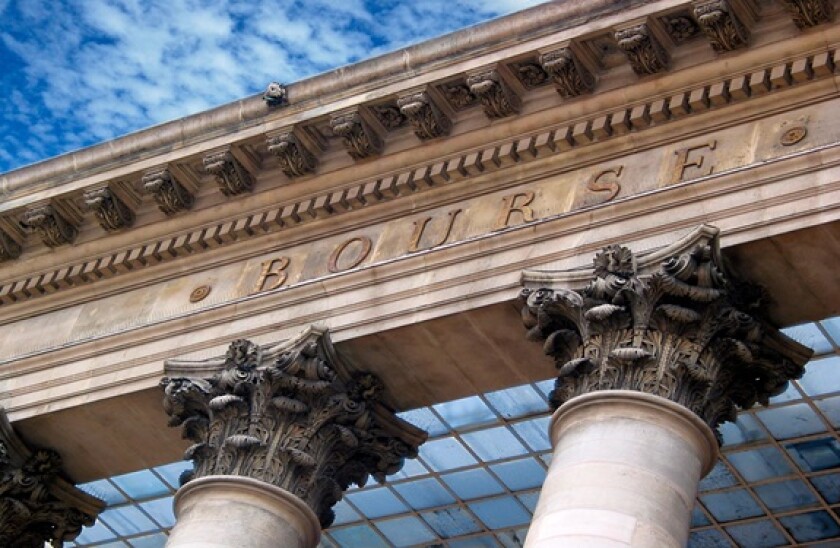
{"x": 37, "y": 506}
{"x": 292, "y": 415}
{"x": 673, "y": 323}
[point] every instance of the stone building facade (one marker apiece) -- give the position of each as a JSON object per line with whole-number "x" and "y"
{"x": 601, "y": 210}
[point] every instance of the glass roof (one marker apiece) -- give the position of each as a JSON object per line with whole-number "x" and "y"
{"x": 477, "y": 479}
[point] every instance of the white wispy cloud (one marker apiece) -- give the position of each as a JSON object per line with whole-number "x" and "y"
{"x": 83, "y": 71}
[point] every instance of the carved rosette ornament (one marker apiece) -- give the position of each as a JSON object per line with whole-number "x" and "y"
{"x": 721, "y": 26}
{"x": 230, "y": 174}
{"x": 295, "y": 159}
{"x": 109, "y": 210}
{"x": 358, "y": 137}
{"x": 672, "y": 323}
{"x": 428, "y": 120}
{"x": 37, "y": 506}
{"x": 809, "y": 13}
{"x": 53, "y": 229}
{"x": 643, "y": 50}
{"x": 496, "y": 96}
{"x": 9, "y": 248}
{"x": 291, "y": 415}
{"x": 570, "y": 77}
{"x": 170, "y": 195}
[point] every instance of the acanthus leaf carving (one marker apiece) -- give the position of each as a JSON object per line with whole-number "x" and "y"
{"x": 459, "y": 95}
{"x": 571, "y": 78}
{"x": 428, "y": 121}
{"x": 230, "y": 174}
{"x": 295, "y": 158}
{"x": 110, "y": 211}
{"x": 496, "y": 96}
{"x": 358, "y": 137}
{"x": 643, "y": 50}
{"x": 37, "y": 506}
{"x": 809, "y": 13}
{"x": 389, "y": 116}
{"x": 681, "y": 328}
{"x": 50, "y": 225}
{"x": 170, "y": 195}
{"x": 291, "y": 415}
{"x": 531, "y": 74}
{"x": 721, "y": 26}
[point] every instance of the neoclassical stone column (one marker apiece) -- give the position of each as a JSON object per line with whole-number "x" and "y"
{"x": 653, "y": 353}
{"x": 279, "y": 434}
{"x": 37, "y": 506}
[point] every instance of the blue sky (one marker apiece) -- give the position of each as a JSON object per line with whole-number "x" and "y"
{"x": 78, "y": 72}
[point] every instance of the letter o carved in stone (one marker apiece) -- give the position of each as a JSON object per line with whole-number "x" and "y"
{"x": 357, "y": 247}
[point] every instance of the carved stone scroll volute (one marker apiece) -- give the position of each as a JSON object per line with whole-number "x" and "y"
{"x": 360, "y": 140}
{"x": 496, "y": 96}
{"x": 230, "y": 174}
{"x": 37, "y": 506}
{"x": 292, "y": 415}
{"x": 170, "y": 195}
{"x": 643, "y": 50}
{"x": 295, "y": 158}
{"x": 809, "y": 13}
{"x": 50, "y": 225}
{"x": 721, "y": 25}
{"x": 571, "y": 78}
{"x": 110, "y": 211}
{"x": 425, "y": 116}
{"x": 672, "y": 323}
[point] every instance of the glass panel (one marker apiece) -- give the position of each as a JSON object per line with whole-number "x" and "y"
{"x": 830, "y": 407}
{"x": 517, "y": 402}
{"x": 377, "y": 502}
{"x": 791, "y": 393}
{"x": 473, "y": 484}
{"x": 546, "y": 386}
{"x": 424, "y": 493}
{"x": 475, "y": 542}
{"x": 451, "y": 522}
{"x": 171, "y": 473}
{"x": 98, "y": 533}
{"x": 718, "y": 478}
{"x": 161, "y": 511}
{"x": 791, "y": 421}
{"x": 529, "y": 500}
{"x": 357, "y": 535}
{"x": 828, "y": 486}
{"x": 815, "y": 455}
{"x": 730, "y": 505}
{"x": 105, "y": 490}
{"x": 535, "y": 433}
{"x": 821, "y": 376}
{"x": 809, "y": 335}
{"x": 758, "y": 464}
{"x": 758, "y": 534}
{"x": 424, "y": 419}
{"x": 410, "y": 469}
{"x": 445, "y": 454}
{"x": 500, "y": 513}
{"x": 344, "y": 513}
{"x": 710, "y": 538}
{"x": 512, "y": 539}
{"x": 811, "y": 526}
{"x": 832, "y": 325}
{"x": 494, "y": 444}
{"x": 520, "y": 474}
{"x": 744, "y": 430}
{"x": 406, "y": 531}
{"x": 465, "y": 412}
{"x": 127, "y": 520}
{"x": 698, "y": 518}
{"x": 149, "y": 541}
{"x": 786, "y": 495}
{"x": 141, "y": 485}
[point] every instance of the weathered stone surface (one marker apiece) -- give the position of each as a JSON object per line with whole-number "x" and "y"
{"x": 643, "y": 50}
{"x": 230, "y": 174}
{"x": 721, "y": 25}
{"x": 809, "y": 13}
{"x": 673, "y": 323}
{"x": 292, "y": 415}
{"x": 170, "y": 195}
{"x": 496, "y": 96}
{"x": 110, "y": 211}
{"x": 358, "y": 137}
{"x": 425, "y": 116}
{"x": 37, "y": 506}
{"x": 570, "y": 76}
{"x": 295, "y": 159}
{"x": 53, "y": 228}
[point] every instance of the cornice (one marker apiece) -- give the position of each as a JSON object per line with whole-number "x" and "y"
{"x": 567, "y": 138}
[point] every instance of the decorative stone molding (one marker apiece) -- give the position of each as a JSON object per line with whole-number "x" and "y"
{"x": 53, "y": 228}
{"x": 276, "y": 95}
{"x": 643, "y": 50}
{"x": 458, "y": 95}
{"x": 571, "y": 78}
{"x": 721, "y": 25}
{"x": 809, "y": 13}
{"x": 230, "y": 174}
{"x": 389, "y": 116}
{"x": 673, "y": 323}
{"x": 531, "y": 75}
{"x": 426, "y": 117}
{"x": 110, "y": 211}
{"x": 680, "y": 27}
{"x": 496, "y": 96}
{"x": 37, "y": 506}
{"x": 293, "y": 415}
{"x": 360, "y": 140}
{"x": 295, "y": 159}
{"x": 9, "y": 248}
{"x": 170, "y": 195}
